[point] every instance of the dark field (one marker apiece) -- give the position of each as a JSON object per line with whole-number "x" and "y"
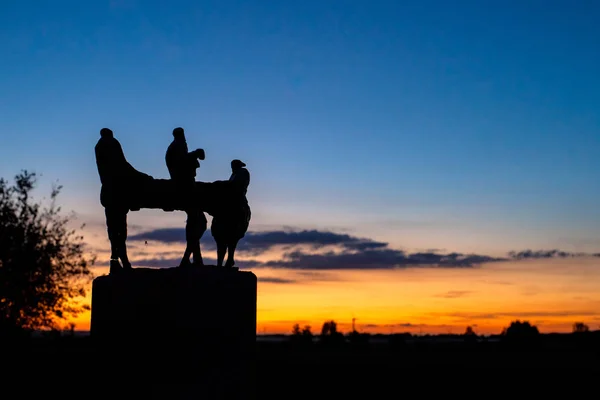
{"x": 300, "y": 370}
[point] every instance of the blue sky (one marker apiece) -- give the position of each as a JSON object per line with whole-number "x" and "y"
{"x": 462, "y": 125}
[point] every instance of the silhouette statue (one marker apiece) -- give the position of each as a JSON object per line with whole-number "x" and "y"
{"x": 182, "y": 167}
{"x": 150, "y": 308}
{"x": 119, "y": 179}
{"x": 126, "y": 189}
{"x": 230, "y": 222}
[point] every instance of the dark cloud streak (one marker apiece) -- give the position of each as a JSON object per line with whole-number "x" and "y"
{"x": 454, "y": 294}
{"x": 270, "y": 279}
{"x": 543, "y": 254}
{"x": 352, "y": 253}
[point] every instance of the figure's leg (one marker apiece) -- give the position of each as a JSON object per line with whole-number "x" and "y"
{"x": 216, "y": 228}
{"x": 111, "y": 224}
{"x": 122, "y": 243}
{"x": 194, "y": 229}
{"x": 199, "y": 229}
{"x": 189, "y": 239}
{"x": 112, "y": 237}
{"x": 185, "y": 260}
{"x": 235, "y": 231}
{"x": 231, "y": 246}
{"x": 221, "y": 250}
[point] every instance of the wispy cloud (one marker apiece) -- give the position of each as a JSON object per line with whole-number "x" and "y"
{"x": 470, "y": 316}
{"x": 264, "y": 241}
{"x": 350, "y": 252}
{"x": 404, "y": 326}
{"x": 163, "y": 235}
{"x": 271, "y": 279}
{"x": 375, "y": 259}
{"x": 314, "y": 250}
{"x": 453, "y": 294}
{"x": 555, "y": 253}
{"x": 398, "y": 325}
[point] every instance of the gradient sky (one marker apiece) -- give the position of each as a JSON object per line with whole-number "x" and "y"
{"x": 461, "y": 126}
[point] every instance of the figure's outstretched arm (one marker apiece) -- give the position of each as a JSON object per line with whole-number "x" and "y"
{"x": 207, "y": 196}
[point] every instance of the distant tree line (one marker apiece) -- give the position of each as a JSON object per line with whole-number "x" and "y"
{"x": 517, "y": 332}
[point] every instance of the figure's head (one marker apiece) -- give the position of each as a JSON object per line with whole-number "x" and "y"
{"x": 106, "y": 133}
{"x": 178, "y": 133}
{"x": 237, "y": 164}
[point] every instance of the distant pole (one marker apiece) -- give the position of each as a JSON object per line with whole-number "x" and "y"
{"x": 353, "y": 326}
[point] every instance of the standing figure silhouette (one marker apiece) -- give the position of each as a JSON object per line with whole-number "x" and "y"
{"x": 182, "y": 167}
{"x": 115, "y": 173}
{"x": 231, "y": 220}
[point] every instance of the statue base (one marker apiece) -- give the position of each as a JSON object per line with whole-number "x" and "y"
{"x": 197, "y": 324}
{"x": 200, "y": 303}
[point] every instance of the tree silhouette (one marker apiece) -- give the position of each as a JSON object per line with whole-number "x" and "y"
{"x": 43, "y": 268}
{"x": 580, "y": 327}
{"x": 470, "y": 332}
{"x": 306, "y": 333}
{"x": 296, "y": 330}
{"x": 522, "y": 334}
{"x": 330, "y": 334}
{"x": 518, "y": 329}
{"x": 329, "y": 328}
{"x": 303, "y": 335}
{"x": 470, "y": 336}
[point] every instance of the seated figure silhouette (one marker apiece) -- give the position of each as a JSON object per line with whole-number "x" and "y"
{"x": 231, "y": 218}
{"x": 119, "y": 180}
{"x": 182, "y": 167}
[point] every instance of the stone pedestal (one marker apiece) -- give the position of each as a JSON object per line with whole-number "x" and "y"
{"x": 199, "y": 321}
{"x": 199, "y": 303}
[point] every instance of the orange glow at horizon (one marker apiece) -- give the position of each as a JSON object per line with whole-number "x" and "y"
{"x": 552, "y": 294}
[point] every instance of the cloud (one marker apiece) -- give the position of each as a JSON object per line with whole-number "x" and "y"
{"x": 555, "y": 253}
{"x": 453, "y": 294}
{"x": 325, "y": 250}
{"x": 355, "y": 253}
{"x": 514, "y": 315}
{"x": 399, "y": 325}
{"x": 270, "y": 279}
{"x": 405, "y": 326}
{"x": 163, "y": 235}
{"x": 497, "y": 282}
{"x": 263, "y": 241}
{"x": 375, "y": 259}
{"x": 317, "y": 276}
{"x": 159, "y": 262}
